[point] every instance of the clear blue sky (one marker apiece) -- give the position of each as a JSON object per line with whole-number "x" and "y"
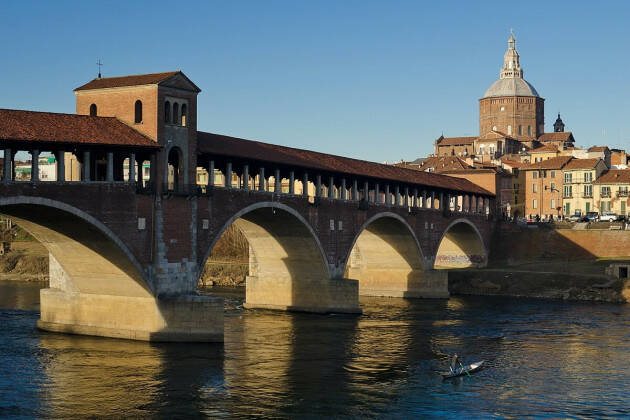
{"x": 371, "y": 80}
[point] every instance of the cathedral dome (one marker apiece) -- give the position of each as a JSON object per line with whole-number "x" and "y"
{"x": 511, "y": 82}
{"x": 510, "y": 87}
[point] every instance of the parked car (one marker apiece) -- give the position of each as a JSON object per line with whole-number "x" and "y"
{"x": 608, "y": 216}
{"x": 621, "y": 218}
{"x": 591, "y": 216}
{"x": 576, "y": 217}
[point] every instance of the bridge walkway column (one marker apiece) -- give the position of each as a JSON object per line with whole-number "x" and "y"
{"x": 132, "y": 168}
{"x": 246, "y": 177}
{"x": 35, "y": 165}
{"x": 8, "y": 165}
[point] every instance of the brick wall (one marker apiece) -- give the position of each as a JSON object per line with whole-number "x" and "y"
{"x": 524, "y": 111}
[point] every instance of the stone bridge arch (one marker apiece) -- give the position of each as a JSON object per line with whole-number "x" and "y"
{"x": 85, "y": 255}
{"x": 461, "y": 246}
{"x": 387, "y": 260}
{"x": 287, "y": 263}
{"x": 98, "y": 287}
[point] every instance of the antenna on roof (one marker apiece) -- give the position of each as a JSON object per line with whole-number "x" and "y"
{"x": 99, "y": 64}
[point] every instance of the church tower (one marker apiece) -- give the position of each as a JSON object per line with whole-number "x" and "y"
{"x": 511, "y": 105}
{"x": 558, "y": 126}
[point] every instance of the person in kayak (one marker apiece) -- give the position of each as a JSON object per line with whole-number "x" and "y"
{"x": 454, "y": 361}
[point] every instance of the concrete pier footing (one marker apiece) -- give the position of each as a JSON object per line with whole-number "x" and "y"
{"x": 181, "y": 319}
{"x": 402, "y": 283}
{"x": 317, "y": 296}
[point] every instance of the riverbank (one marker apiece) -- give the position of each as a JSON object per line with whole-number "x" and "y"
{"x": 516, "y": 282}
{"x": 25, "y": 261}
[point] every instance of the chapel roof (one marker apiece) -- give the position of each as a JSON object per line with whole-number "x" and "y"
{"x": 133, "y": 80}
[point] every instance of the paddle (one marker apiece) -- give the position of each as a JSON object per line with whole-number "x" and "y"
{"x": 460, "y": 365}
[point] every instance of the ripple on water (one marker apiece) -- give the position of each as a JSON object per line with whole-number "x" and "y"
{"x": 545, "y": 358}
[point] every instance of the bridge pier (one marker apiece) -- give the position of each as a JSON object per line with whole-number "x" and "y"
{"x": 76, "y": 303}
{"x": 182, "y": 318}
{"x": 387, "y": 262}
{"x": 401, "y": 283}
{"x": 96, "y": 288}
{"x": 312, "y": 295}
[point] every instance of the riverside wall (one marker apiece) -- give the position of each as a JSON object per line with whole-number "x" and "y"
{"x": 513, "y": 244}
{"x": 545, "y": 262}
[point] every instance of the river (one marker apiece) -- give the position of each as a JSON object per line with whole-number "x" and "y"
{"x": 546, "y": 359}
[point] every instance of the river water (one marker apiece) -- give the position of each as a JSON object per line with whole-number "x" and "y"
{"x": 546, "y": 359}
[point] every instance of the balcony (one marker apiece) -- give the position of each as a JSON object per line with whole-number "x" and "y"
{"x": 621, "y": 193}
{"x": 565, "y": 195}
{"x": 588, "y": 195}
{"x": 605, "y": 194}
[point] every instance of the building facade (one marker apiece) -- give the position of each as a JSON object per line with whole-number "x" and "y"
{"x": 611, "y": 191}
{"x": 577, "y": 191}
{"x": 543, "y": 187}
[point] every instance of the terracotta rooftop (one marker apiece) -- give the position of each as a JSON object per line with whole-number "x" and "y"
{"x": 454, "y": 141}
{"x": 439, "y": 164}
{"x": 597, "y": 148}
{"x": 68, "y": 128}
{"x": 582, "y": 164}
{"x": 556, "y": 136}
{"x": 545, "y": 149}
{"x": 495, "y": 134}
{"x": 552, "y": 163}
{"x": 514, "y": 163}
{"x": 614, "y": 176}
{"x": 133, "y": 80}
{"x": 217, "y": 144}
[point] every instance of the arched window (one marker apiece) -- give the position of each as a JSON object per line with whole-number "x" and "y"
{"x": 174, "y": 169}
{"x": 175, "y": 113}
{"x": 167, "y": 112}
{"x": 520, "y": 130}
{"x": 93, "y": 110}
{"x": 529, "y": 130}
{"x": 184, "y": 115}
{"x": 138, "y": 113}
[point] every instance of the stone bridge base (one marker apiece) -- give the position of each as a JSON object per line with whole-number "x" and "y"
{"x": 317, "y": 296}
{"x": 393, "y": 283}
{"x": 183, "y": 318}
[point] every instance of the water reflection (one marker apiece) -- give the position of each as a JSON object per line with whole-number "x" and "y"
{"x": 545, "y": 358}
{"x": 18, "y": 295}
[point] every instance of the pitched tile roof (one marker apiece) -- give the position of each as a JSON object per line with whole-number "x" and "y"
{"x": 217, "y": 144}
{"x": 514, "y": 163}
{"x": 545, "y": 149}
{"x": 439, "y": 164}
{"x": 597, "y": 148}
{"x": 495, "y": 134}
{"x": 614, "y": 176}
{"x": 582, "y": 164}
{"x": 50, "y": 127}
{"x": 556, "y": 136}
{"x": 552, "y": 163}
{"x": 454, "y": 141}
{"x": 133, "y": 80}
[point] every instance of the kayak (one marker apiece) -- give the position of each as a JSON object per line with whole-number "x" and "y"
{"x": 464, "y": 370}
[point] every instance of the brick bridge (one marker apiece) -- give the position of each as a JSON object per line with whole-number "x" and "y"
{"x": 141, "y": 197}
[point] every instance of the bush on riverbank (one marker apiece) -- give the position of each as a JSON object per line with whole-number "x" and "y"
{"x": 21, "y": 264}
{"x": 228, "y": 264}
